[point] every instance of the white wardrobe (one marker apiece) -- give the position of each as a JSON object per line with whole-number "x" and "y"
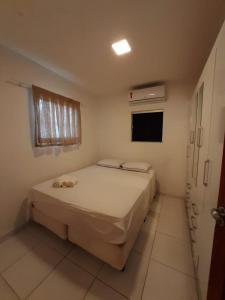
{"x": 205, "y": 149}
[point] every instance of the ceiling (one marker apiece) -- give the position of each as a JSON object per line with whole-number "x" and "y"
{"x": 170, "y": 39}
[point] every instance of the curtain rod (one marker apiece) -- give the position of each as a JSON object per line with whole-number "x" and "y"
{"x": 19, "y": 83}
{"x": 23, "y": 85}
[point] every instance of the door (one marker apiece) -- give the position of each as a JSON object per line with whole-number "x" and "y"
{"x": 216, "y": 290}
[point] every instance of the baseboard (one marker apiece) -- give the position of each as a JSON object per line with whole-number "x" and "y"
{"x": 171, "y": 195}
{"x": 12, "y": 232}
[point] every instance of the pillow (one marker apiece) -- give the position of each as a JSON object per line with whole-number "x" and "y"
{"x": 110, "y": 163}
{"x": 136, "y": 166}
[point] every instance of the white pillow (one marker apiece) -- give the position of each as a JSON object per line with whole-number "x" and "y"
{"x": 111, "y": 163}
{"x": 136, "y": 166}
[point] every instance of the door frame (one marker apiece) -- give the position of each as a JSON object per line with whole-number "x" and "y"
{"x": 216, "y": 287}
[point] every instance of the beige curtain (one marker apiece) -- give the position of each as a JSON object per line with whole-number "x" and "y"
{"x": 57, "y": 119}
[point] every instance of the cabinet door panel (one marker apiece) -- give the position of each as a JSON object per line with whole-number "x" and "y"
{"x": 204, "y": 103}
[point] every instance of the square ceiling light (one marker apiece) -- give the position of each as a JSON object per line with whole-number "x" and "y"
{"x": 121, "y": 47}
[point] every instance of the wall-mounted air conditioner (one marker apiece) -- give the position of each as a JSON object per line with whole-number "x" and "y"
{"x": 150, "y": 94}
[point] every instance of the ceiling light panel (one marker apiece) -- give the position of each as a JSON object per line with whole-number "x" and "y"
{"x": 121, "y": 47}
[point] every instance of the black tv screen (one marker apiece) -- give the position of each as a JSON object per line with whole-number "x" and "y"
{"x": 147, "y": 126}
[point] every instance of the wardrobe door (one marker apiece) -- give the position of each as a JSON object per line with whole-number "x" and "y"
{"x": 202, "y": 116}
{"x": 205, "y": 92}
{"x": 190, "y": 156}
{"x": 212, "y": 166}
{"x": 195, "y": 121}
{"x": 191, "y": 140}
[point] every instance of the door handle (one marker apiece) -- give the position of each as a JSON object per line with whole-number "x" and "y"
{"x": 188, "y": 151}
{"x": 192, "y": 137}
{"x": 188, "y": 185}
{"x": 206, "y": 173}
{"x": 193, "y": 237}
{"x": 193, "y": 222}
{"x": 200, "y": 134}
{"x": 219, "y": 215}
{"x": 195, "y": 209}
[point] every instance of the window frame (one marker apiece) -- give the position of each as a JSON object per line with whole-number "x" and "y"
{"x": 61, "y": 100}
{"x": 146, "y": 112}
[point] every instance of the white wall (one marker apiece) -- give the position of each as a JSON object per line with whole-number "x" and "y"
{"x": 105, "y": 133}
{"x": 167, "y": 158}
{"x": 22, "y": 165}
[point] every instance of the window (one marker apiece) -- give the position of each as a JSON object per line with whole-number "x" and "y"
{"x": 57, "y": 119}
{"x": 147, "y": 126}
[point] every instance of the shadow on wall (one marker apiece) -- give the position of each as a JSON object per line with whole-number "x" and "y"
{"x": 23, "y": 214}
{"x": 50, "y": 150}
{"x": 157, "y": 187}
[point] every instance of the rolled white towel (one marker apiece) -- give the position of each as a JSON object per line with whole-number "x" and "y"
{"x": 65, "y": 181}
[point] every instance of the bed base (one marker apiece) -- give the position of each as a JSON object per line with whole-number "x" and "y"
{"x": 112, "y": 254}
{"x": 54, "y": 225}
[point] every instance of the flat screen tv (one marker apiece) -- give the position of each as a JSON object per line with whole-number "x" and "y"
{"x": 147, "y": 126}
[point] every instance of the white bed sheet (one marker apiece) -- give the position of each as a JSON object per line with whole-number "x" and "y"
{"x": 105, "y": 201}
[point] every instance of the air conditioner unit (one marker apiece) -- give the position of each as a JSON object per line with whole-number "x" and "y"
{"x": 150, "y": 94}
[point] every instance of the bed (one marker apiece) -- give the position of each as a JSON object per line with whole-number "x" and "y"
{"x": 103, "y": 213}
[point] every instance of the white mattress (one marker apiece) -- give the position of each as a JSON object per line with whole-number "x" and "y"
{"x": 105, "y": 201}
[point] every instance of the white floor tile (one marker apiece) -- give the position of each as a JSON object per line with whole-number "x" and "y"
{"x": 15, "y": 247}
{"x": 67, "y": 281}
{"x": 173, "y": 206}
{"x": 87, "y": 261}
{"x": 6, "y": 293}
{"x": 31, "y": 269}
{"x": 164, "y": 283}
{"x": 173, "y": 252}
{"x": 48, "y": 237}
{"x": 130, "y": 282}
{"x": 100, "y": 291}
{"x": 27, "y": 263}
{"x": 176, "y": 226}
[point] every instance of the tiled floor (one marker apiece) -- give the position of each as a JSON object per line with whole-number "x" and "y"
{"x": 36, "y": 265}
